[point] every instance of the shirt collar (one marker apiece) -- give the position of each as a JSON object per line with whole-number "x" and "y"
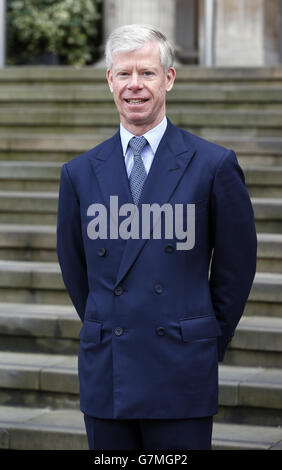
{"x": 153, "y": 136}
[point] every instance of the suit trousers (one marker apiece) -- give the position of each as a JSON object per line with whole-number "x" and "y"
{"x": 149, "y": 434}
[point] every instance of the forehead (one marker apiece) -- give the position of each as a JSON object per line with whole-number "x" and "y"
{"x": 147, "y": 55}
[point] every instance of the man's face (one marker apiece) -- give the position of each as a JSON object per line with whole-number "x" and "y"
{"x": 139, "y": 85}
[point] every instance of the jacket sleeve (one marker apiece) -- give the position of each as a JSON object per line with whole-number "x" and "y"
{"x": 234, "y": 240}
{"x": 70, "y": 249}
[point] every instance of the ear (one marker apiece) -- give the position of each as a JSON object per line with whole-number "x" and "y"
{"x": 110, "y": 79}
{"x": 170, "y": 77}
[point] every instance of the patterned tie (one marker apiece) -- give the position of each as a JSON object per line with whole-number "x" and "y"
{"x": 138, "y": 173}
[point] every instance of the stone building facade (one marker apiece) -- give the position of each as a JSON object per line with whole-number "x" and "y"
{"x": 245, "y": 32}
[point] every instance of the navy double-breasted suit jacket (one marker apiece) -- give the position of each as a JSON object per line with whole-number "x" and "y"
{"x": 156, "y": 320}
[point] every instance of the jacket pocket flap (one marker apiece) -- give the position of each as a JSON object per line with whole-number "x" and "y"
{"x": 199, "y": 328}
{"x": 91, "y": 331}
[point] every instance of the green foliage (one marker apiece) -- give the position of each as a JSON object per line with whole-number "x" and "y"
{"x": 69, "y": 28}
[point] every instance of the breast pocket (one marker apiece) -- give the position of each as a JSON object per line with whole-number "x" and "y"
{"x": 199, "y": 328}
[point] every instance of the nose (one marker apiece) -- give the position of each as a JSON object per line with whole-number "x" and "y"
{"x": 135, "y": 82}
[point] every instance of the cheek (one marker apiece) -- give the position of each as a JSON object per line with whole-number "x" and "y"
{"x": 159, "y": 90}
{"x": 117, "y": 95}
{"x": 160, "y": 95}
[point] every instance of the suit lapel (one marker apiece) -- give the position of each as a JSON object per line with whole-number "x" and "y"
{"x": 169, "y": 164}
{"x": 109, "y": 168}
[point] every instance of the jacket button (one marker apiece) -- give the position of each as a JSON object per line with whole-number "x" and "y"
{"x": 160, "y": 331}
{"x": 158, "y": 288}
{"x": 118, "y": 331}
{"x": 169, "y": 249}
{"x": 101, "y": 251}
{"x": 118, "y": 290}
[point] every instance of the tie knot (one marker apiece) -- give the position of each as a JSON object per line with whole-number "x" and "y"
{"x": 137, "y": 144}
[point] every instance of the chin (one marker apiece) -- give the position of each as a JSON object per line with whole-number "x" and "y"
{"x": 135, "y": 121}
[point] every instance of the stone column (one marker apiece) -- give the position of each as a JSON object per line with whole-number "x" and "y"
{"x": 246, "y": 32}
{"x": 158, "y": 13}
{"x": 272, "y": 31}
{"x": 2, "y": 33}
{"x": 280, "y": 32}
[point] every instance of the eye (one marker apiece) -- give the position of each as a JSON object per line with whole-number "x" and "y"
{"x": 147, "y": 73}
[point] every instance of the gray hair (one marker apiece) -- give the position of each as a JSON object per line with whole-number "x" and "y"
{"x": 133, "y": 36}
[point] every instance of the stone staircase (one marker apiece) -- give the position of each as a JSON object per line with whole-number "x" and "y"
{"x": 49, "y": 115}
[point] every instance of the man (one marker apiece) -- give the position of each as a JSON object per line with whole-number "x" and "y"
{"x": 155, "y": 323}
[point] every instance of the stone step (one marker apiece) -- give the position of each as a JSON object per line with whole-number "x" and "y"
{"x": 268, "y": 214}
{"x": 39, "y": 380}
{"x": 41, "y": 429}
{"x": 32, "y": 282}
{"x": 29, "y": 176}
{"x": 54, "y": 329}
{"x": 264, "y": 182}
{"x": 214, "y": 133}
{"x": 239, "y": 95}
{"x": 50, "y": 146}
{"x": 229, "y": 436}
{"x": 263, "y": 151}
{"x": 44, "y": 176}
{"x": 38, "y": 207}
{"x": 46, "y": 429}
{"x": 269, "y": 253}
{"x": 257, "y": 343}
{"x": 42, "y": 328}
{"x": 39, "y": 339}
{"x": 28, "y": 242}
{"x": 265, "y": 296}
{"x": 38, "y": 243}
{"x": 267, "y": 287}
{"x": 86, "y": 116}
{"x": 28, "y": 207}
{"x": 33, "y": 279}
{"x": 248, "y": 395}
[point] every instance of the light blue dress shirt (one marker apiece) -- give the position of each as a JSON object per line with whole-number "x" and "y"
{"x": 153, "y": 137}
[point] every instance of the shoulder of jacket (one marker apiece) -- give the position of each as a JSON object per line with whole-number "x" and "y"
{"x": 80, "y": 160}
{"x": 211, "y": 153}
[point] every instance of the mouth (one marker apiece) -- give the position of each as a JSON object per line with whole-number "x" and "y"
{"x": 136, "y": 100}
